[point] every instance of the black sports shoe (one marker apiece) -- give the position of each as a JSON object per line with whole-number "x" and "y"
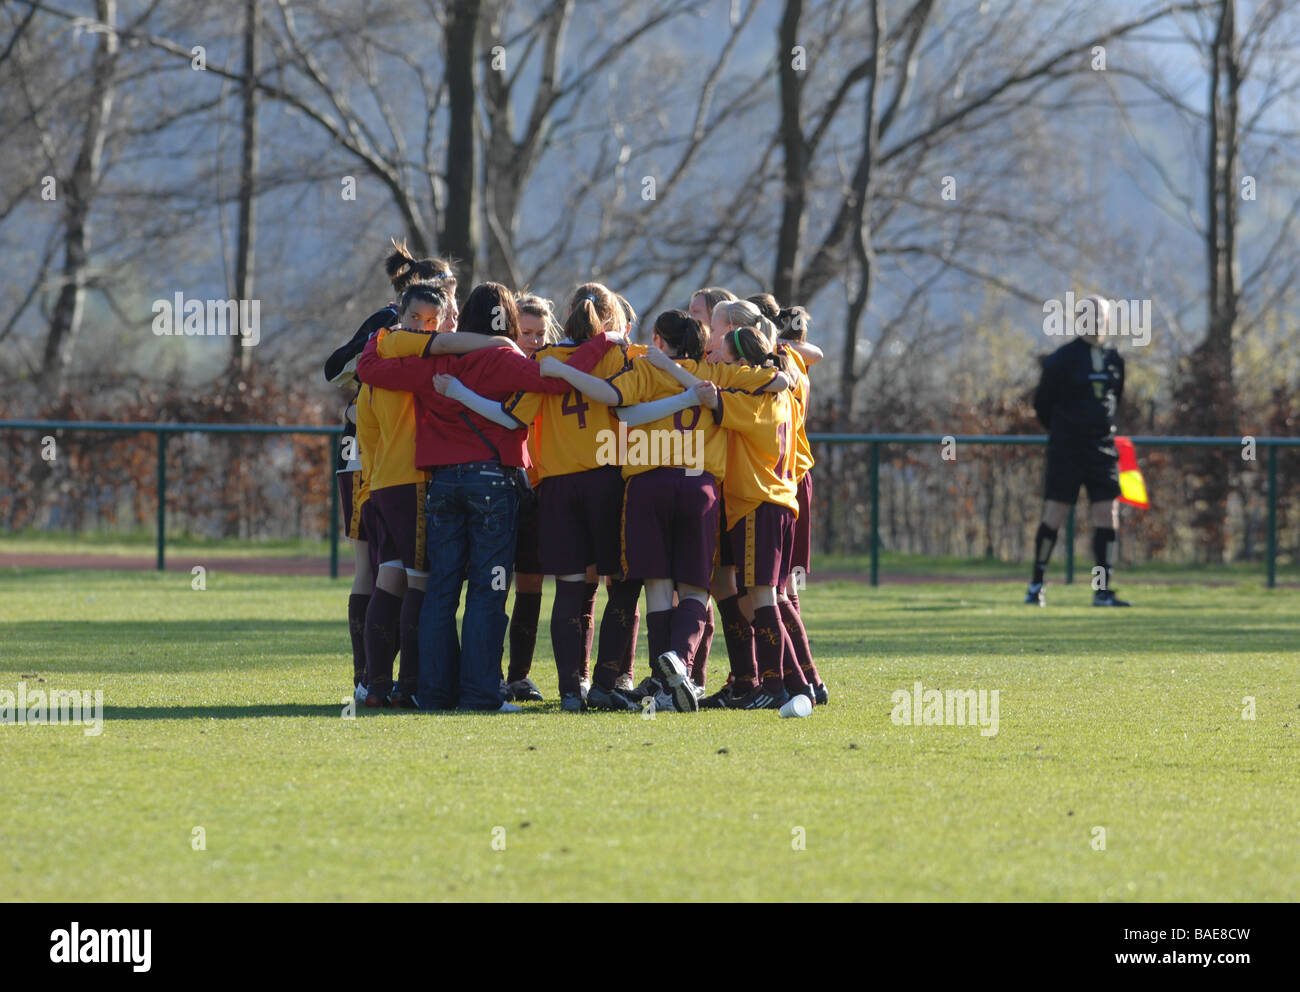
{"x": 761, "y": 699}
{"x": 524, "y": 691}
{"x": 1107, "y": 597}
{"x": 677, "y": 680}
{"x": 1034, "y": 595}
{"x": 820, "y": 694}
{"x": 571, "y": 702}
{"x": 610, "y": 699}
{"x": 720, "y": 700}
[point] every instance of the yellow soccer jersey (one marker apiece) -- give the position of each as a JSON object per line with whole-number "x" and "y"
{"x": 704, "y": 442}
{"x": 398, "y": 343}
{"x": 800, "y": 393}
{"x": 566, "y": 428}
{"x": 392, "y": 450}
{"x": 760, "y": 451}
{"x": 367, "y": 440}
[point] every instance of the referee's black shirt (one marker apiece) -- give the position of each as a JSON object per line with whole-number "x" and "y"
{"x": 1078, "y": 394}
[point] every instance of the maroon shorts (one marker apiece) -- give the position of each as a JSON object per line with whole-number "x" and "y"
{"x": 397, "y": 525}
{"x": 581, "y": 521}
{"x": 760, "y": 545}
{"x": 349, "y": 505}
{"x": 528, "y": 556}
{"x": 801, "y": 557}
{"x": 723, "y": 557}
{"x": 670, "y": 526}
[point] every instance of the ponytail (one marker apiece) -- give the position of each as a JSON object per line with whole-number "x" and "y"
{"x": 591, "y": 308}
{"x": 751, "y": 348}
{"x": 405, "y": 270}
{"x": 682, "y": 333}
{"x": 793, "y": 324}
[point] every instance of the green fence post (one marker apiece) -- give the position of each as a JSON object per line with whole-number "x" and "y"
{"x": 162, "y": 498}
{"x": 875, "y": 513}
{"x": 1069, "y": 548}
{"x": 334, "y": 510}
{"x": 1272, "y": 516}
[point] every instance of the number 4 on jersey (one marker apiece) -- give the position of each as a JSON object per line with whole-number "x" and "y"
{"x": 574, "y": 403}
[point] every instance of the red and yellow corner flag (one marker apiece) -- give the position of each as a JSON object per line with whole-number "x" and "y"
{"x": 1132, "y": 487}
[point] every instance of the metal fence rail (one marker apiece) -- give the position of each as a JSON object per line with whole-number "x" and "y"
{"x": 1271, "y": 444}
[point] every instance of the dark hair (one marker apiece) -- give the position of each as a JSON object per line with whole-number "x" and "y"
{"x": 422, "y": 292}
{"x": 590, "y": 308}
{"x": 405, "y": 270}
{"x": 491, "y": 309}
{"x": 792, "y": 324}
{"x": 682, "y": 333}
{"x": 766, "y": 304}
{"x": 751, "y": 347}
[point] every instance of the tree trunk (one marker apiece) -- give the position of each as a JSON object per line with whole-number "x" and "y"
{"x": 862, "y": 248}
{"x": 1206, "y": 393}
{"x": 459, "y": 235}
{"x": 240, "y": 356}
{"x": 79, "y": 193}
{"x": 794, "y": 201}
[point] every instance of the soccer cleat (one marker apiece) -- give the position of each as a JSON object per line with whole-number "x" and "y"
{"x": 624, "y": 684}
{"x": 610, "y": 699}
{"x": 374, "y": 702}
{"x": 1034, "y": 595}
{"x": 571, "y": 702}
{"x": 1107, "y": 597}
{"x": 508, "y": 708}
{"x": 821, "y": 695}
{"x": 672, "y": 673}
{"x": 720, "y": 700}
{"x": 360, "y": 692}
{"x": 524, "y": 691}
{"x": 761, "y": 699}
{"x": 583, "y": 688}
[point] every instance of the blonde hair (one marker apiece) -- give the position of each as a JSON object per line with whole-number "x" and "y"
{"x": 540, "y": 306}
{"x": 591, "y": 307}
{"x": 742, "y": 313}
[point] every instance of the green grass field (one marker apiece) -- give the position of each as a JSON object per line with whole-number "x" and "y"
{"x": 223, "y": 711}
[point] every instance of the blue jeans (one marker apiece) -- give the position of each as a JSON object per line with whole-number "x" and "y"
{"x": 472, "y": 514}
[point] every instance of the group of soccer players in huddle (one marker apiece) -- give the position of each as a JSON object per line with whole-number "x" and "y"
{"x": 492, "y": 444}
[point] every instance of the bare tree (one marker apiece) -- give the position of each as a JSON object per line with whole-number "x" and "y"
{"x": 79, "y": 188}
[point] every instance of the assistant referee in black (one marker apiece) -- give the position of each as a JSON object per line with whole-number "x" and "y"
{"x": 1077, "y": 396}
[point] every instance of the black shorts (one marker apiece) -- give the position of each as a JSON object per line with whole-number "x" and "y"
{"x": 1093, "y": 465}
{"x": 528, "y": 555}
